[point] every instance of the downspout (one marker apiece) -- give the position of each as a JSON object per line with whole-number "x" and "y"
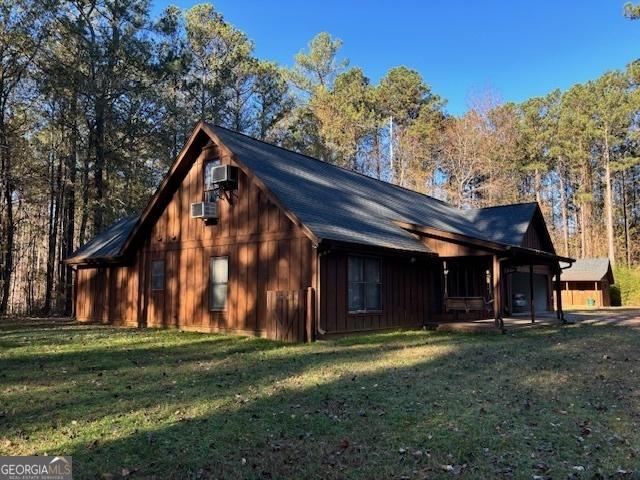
{"x": 502, "y": 291}
{"x": 74, "y": 290}
{"x": 559, "y": 290}
{"x": 319, "y": 255}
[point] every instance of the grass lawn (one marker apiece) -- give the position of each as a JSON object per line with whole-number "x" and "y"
{"x": 543, "y": 403}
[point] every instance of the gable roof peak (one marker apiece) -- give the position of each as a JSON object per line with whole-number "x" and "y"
{"x": 315, "y": 159}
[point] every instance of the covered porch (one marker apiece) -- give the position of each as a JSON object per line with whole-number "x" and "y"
{"x": 515, "y": 283}
{"x": 509, "y": 273}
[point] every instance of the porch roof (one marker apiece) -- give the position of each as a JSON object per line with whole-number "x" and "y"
{"x": 538, "y": 256}
{"x": 527, "y": 255}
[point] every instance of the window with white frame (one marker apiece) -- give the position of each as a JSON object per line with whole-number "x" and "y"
{"x": 218, "y": 283}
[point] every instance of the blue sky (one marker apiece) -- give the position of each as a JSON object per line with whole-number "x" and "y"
{"x": 516, "y": 48}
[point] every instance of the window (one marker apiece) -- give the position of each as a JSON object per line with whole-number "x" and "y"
{"x": 219, "y": 279}
{"x": 209, "y": 189}
{"x": 157, "y": 275}
{"x": 364, "y": 284}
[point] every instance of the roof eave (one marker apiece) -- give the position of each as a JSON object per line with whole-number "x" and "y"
{"x": 328, "y": 244}
{"x": 94, "y": 261}
{"x": 489, "y": 245}
{"x": 541, "y": 253}
{"x": 448, "y": 235}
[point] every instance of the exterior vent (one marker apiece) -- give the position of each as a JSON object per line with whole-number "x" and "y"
{"x": 225, "y": 176}
{"x": 204, "y": 210}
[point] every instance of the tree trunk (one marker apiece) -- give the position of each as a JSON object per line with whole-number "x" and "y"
{"x": 174, "y": 119}
{"x": 608, "y": 204}
{"x": 54, "y": 216}
{"x": 70, "y": 214}
{"x": 9, "y": 226}
{"x": 583, "y": 232}
{"x": 627, "y": 243}
{"x": 98, "y": 170}
{"x": 565, "y": 219}
{"x": 377, "y": 149}
{"x": 203, "y": 110}
{"x": 84, "y": 217}
{"x": 586, "y": 211}
{"x": 635, "y": 209}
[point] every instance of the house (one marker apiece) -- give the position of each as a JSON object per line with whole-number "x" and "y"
{"x": 293, "y": 248}
{"x": 587, "y": 283}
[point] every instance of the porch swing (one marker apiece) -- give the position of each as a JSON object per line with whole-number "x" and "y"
{"x": 468, "y": 303}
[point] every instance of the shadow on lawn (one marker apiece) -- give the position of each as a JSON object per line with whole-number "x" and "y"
{"x": 360, "y": 407}
{"x": 138, "y": 373}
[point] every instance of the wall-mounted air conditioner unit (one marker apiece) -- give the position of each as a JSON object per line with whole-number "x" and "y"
{"x": 225, "y": 176}
{"x": 204, "y": 210}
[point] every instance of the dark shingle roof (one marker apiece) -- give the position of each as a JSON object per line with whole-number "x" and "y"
{"x": 107, "y": 243}
{"x": 339, "y": 204}
{"x": 587, "y": 270}
{"x": 505, "y": 223}
{"x": 342, "y": 205}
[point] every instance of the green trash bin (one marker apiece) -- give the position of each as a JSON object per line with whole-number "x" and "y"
{"x": 591, "y": 302}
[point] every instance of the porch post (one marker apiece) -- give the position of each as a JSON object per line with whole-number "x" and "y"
{"x": 508, "y": 295}
{"x": 559, "y": 312}
{"x": 532, "y": 305}
{"x": 445, "y": 271}
{"x": 497, "y": 291}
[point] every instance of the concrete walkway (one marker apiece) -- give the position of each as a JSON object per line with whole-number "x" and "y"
{"x": 624, "y": 316}
{"x": 627, "y": 317}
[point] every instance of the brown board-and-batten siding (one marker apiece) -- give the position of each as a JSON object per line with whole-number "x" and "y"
{"x": 406, "y": 294}
{"x": 108, "y": 295}
{"x": 266, "y": 252}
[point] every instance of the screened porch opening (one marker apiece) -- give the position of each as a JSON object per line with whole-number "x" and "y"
{"x": 467, "y": 277}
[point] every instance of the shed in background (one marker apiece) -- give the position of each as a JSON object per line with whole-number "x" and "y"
{"x": 587, "y": 283}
